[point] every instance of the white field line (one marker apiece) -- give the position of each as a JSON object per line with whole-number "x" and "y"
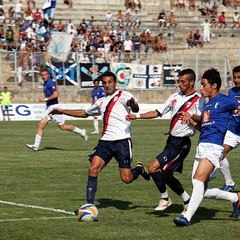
{"x": 31, "y": 219}
{"x": 37, "y": 207}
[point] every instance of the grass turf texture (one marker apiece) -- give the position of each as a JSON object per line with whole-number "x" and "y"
{"x": 55, "y": 177}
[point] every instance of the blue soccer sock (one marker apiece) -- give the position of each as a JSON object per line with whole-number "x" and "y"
{"x": 91, "y": 189}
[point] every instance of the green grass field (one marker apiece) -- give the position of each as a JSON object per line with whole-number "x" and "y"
{"x": 55, "y": 178}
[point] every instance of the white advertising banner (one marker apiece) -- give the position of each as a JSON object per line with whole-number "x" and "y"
{"x": 137, "y": 76}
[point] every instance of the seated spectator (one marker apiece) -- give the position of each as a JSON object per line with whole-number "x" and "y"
{"x": 120, "y": 18}
{"x": 90, "y": 22}
{"x": 191, "y": 5}
{"x": 37, "y": 15}
{"x": 2, "y": 14}
{"x": 128, "y": 19}
{"x": 137, "y": 3}
{"x": 181, "y": 4}
{"x": 213, "y": 21}
{"x": 198, "y": 40}
{"x": 172, "y": 20}
{"x": 235, "y": 20}
{"x": 202, "y": 8}
{"x": 158, "y": 44}
{"x": 209, "y": 6}
{"x": 162, "y": 19}
{"x": 190, "y": 39}
{"x": 28, "y": 15}
{"x": 11, "y": 14}
{"x": 129, "y": 4}
{"x": 109, "y": 19}
{"x": 222, "y": 20}
{"x": 136, "y": 19}
{"x": 31, "y": 1}
{"x": 173, "y": 4}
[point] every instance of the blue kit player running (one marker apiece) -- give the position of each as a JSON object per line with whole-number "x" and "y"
{"x": 51, "y": 99}
{"x": 214, "y": 122}
{"x": 97, "y": 93}
{"x": 115, "y": 140}
{"x": 232, "y": 137}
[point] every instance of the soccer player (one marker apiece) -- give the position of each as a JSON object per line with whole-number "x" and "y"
{"x": 214, "y": 122}
{"x": 6, "y": 97}
{"x": 178, "y": 143}
{"x": 97, "y": 93}
{"x": 232, "y": 137}
{"x": 116, "y": 136}
{"x": 51, "y": 99}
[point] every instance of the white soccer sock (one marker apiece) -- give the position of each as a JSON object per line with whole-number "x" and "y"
{"x": 185, "y": 196}
{"x": 165, "y": 195}
{"x": 224, "y": 168}
{"x": 37, "y": 141}
{"x": 78, "y": 130}
{"x": 96, "y": 125}
{"x": 196, "y": 198}
{"x": 216, "y": 193}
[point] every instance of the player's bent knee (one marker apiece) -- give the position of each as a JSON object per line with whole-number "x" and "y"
{"x": 127, "y": 179}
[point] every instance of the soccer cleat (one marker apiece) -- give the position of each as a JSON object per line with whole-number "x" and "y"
{"x": 145, "y": 174}
{"x": 163, "y": 204}
{"x": 32, "y": 146}
{"x": 76, "y": 212}
{"x": 236, "y": 207}
{"x": 228, "y": 188}
{"x": 95, "y": 132}
{"x": 181, "y": 221}
{"x": 84, "y": 134}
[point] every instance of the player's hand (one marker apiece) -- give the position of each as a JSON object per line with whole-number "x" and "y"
{"x": 41, "y": 99}
{"x": 131, "y": 116}
{"x": 131, "y": 102}
{"x": 55, "y": 111}
{"x": 185, "y": 117}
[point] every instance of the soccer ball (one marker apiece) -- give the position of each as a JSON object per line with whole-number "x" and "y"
{"x": 88, "y": 213}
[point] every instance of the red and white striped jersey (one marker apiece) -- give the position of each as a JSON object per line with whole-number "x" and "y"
{"x": 113, "y": 109}
{"x": 178, "y": 102}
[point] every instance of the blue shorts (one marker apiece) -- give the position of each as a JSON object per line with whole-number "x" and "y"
{"x": 174, "y": 153}
{"x": 121, "y": 150}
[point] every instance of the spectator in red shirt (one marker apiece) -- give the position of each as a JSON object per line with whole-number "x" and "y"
{"x": 37, "y": 14}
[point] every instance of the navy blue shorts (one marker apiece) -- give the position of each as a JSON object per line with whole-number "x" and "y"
{"x": 121, "y": 150}
{"x": 174, "y": 153}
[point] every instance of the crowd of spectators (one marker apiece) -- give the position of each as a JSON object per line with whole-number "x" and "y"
{"x": 122, "y": 37}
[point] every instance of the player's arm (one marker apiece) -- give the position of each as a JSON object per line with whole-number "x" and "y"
{"x": 147, "y": 115}
{"x": 53, "y": 96}
{"x": 73, "y": 113}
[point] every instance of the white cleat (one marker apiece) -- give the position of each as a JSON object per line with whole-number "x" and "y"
{"x": 84, "y": 134}
{"x": 95, "y": 132}
{"x": 163, "y": 204}
{"x": 32, "y": 146}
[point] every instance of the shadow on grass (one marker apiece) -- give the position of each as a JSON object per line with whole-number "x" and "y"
{"x": 119, "y": 204}
{"x": 61, "y": 149}
{"x": 201, "y": 214}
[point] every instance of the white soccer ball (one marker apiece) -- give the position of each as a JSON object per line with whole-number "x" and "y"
{"x": 88, "y": 213}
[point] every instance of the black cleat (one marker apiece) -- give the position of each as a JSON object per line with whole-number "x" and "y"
{"x": 145, "y": 174}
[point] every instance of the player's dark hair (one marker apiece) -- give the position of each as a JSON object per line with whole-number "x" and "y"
{"x": 189, "y": 72}
{"x": 109, "y": 74}
{"x": 96, "y": 80}
{"x": 213, "y": 77}
{"x": 236, "y": 69}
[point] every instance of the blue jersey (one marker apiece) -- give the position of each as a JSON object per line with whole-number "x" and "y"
{"x": 234, "y": 125}
{"x": 49, "y": 88}
{"x": 97, "y": 93}
{"x": 215, "y": 118}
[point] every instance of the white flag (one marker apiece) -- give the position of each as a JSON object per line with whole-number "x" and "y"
{"x": 60, "y": 45}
